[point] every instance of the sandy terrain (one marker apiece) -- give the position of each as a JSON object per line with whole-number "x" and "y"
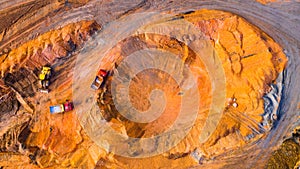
{"x": 54, "y": 32}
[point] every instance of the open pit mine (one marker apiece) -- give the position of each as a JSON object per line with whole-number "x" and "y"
{"x": 150, "y": 84}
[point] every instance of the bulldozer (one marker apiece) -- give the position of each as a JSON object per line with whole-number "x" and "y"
{"x": 44, "y": 79}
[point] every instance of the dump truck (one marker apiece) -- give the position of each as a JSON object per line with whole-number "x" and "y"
{"x": 100, "y": 79}
{"x": 44, "y": 79}
{"x": 60, "y": 108}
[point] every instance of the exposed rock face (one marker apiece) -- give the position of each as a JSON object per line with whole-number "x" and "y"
{"x": 32, "y": 138}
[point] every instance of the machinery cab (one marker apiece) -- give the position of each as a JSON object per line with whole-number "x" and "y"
{"x": 68, "y": 106}
{"x": 44, "y": 79}
{"x": 45, "y": 73}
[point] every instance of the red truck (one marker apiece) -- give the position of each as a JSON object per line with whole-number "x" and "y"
{"x": 60, "y": 108}
{"x": 100, "y": 79}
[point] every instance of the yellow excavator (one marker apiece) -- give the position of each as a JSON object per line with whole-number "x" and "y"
{"x": 44, "y": 79}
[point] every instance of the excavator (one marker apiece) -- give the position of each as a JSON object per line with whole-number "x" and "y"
{"x": 44, "y": 79}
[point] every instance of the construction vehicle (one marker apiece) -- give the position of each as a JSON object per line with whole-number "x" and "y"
{"x": 44, "y": 79}
{"x": 60, "y": 108}
{"x": 100, "y": 79}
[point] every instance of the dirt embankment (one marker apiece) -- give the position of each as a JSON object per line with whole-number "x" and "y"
{"x": 239, "y": 45}
{"x": 21, "y": 20}
{"x": 26, "y": 127}
{"x": 266, "y": 2}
